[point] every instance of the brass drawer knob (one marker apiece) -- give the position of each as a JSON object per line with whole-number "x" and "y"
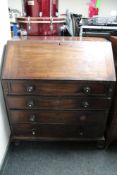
{"x": 30, "y": 88}
{"x": 81, "y": 133}
{"x": 82, "y": 118}
{"x": 85, "y": 104}
{"x": 30, "y": 103}
{"x": 87, "y": 90}
{"x": 33, "y": 132}
{"x": 110, "y": 90}
{"x": 32, "y": 118}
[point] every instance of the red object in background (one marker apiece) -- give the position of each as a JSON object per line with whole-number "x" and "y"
{"x": 34, "y": 7}
{"x": 41, "y": 26}
{"x": 43, "y": 20}
{"x": 45, "y": 8}
{"x": 55, "y": 7}
{"x": 93, "y": 11}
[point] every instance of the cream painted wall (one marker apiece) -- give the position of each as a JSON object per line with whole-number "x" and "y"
{"x": 81, "y": 6}
{"x": 107, "y": 6}
{"x": 15, "y": 4}
{"x": 4, "y": 36}
{"x": 76, "y": 6}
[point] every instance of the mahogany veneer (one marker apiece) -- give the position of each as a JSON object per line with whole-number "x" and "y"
{"x": 58, "y": 89}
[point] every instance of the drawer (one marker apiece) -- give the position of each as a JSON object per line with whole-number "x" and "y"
{"x": 32, "y": 102}
{"x": 57, "y": 131}
{"x": 64, "y": 117}
{"x": 59, "y": 88}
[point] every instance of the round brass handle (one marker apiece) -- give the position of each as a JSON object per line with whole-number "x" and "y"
{"x": 30, "y": 104}
{"x": 86, "y": 90}
{"x": 82, "y": 118}
{"x": 81, "y": 133}
{"x": 30, "y": 88}
{"x": 32, "y": 118}
{"x": 33, "y": 132}
{"x": 85, "y": 104}
{"x": 110, "y": 90}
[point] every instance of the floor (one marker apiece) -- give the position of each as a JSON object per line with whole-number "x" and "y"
{"x": 35, "y": 158}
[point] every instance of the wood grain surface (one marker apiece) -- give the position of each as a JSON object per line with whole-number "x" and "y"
{"x": 63, "y": 60}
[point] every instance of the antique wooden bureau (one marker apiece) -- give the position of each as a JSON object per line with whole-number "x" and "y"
{"x": 58, "y": 89}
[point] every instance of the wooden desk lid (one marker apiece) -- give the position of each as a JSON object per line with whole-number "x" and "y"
{"x": 54, "y": 60}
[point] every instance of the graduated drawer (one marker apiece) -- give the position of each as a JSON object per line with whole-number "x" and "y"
{"x": 35, "y": 102}
{"x": 64, "y": 117}
{"x": 57, "y": 131}
{"x": 59, "y": 88}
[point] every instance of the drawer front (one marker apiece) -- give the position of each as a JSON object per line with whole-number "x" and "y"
{"x": 15, "y": 102}
{"x": 63, "y": 117}
{"x": 59, "y": 88}
{"x": 57, "y": 131}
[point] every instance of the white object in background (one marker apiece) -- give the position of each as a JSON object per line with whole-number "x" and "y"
{"x": 31, "y": 2}
{"x": 23, "y": 32}
{"x": 113, "y": 13}
{"x": 57, "y": 14}
{"x": 13, "y": 14}
{"x": 40, "y": 14}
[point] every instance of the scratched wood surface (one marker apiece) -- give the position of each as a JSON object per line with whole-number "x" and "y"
{"x": 59, "y": 60}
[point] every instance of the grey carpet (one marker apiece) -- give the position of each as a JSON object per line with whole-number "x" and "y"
{"x": 35, "y": 158}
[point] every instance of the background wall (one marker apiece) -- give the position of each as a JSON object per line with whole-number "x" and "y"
{"x": 15, "y": 4}
{"x": 4, "y": 36}
{"x": 81, "y": 6}
{"x": 107, "y": 6}
{"x": 76, "y": 6}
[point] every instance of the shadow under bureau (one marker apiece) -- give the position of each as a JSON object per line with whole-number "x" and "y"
{"x": 58, "y": 89}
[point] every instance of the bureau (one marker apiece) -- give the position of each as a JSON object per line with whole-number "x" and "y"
{"x": 58, "y": 89}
